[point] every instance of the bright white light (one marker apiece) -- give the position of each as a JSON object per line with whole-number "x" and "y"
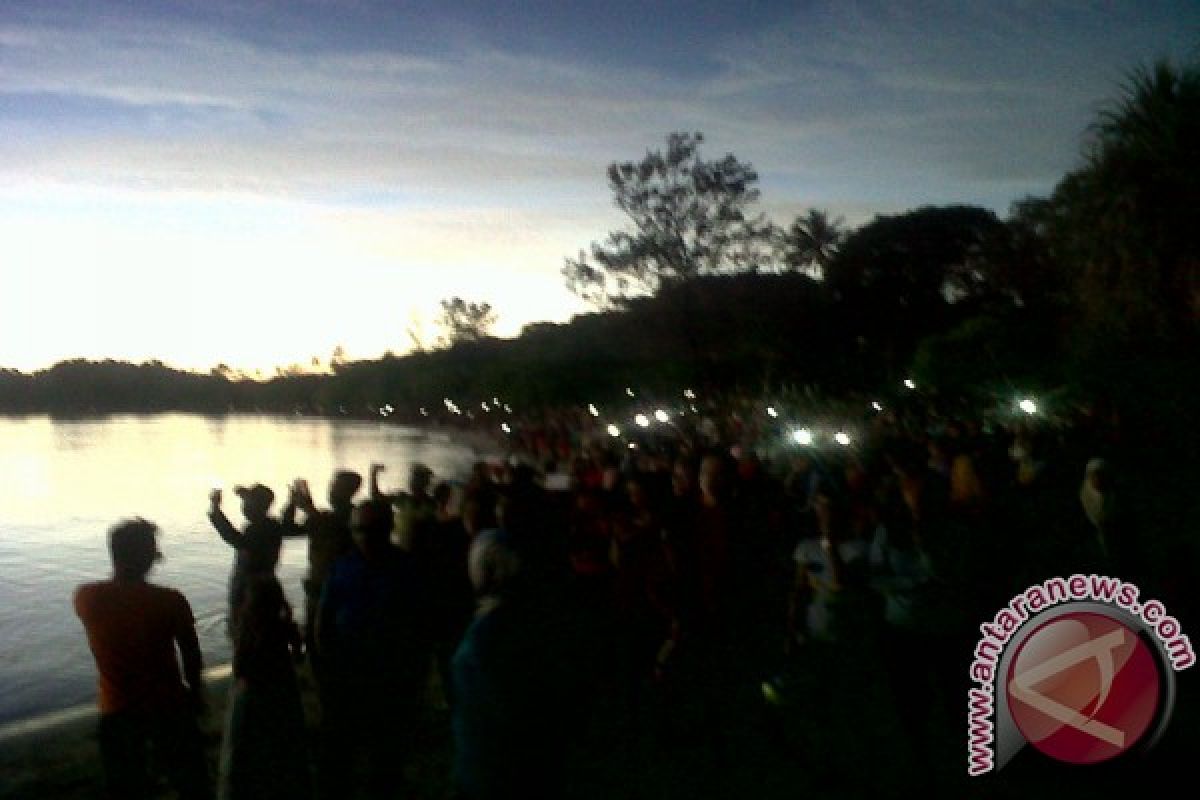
{"x": 496, "y": 402}
{"x": 694, "y": 410}
{"x": 1028, "y": 406}
{"x": 383, "y": 412}
{"x": 507, "y": 408}
{"x": 875, "y": 404}
{"x": 633, "y": 445}
{"x": 388, "y": 407}
{"x": 595, "y": 412}
{"x": 629, "y": 391}
{"x": 614, "y": 431}
{"x": 485, "y": 406}
{"x": 908, "y": 383}
{"x": 504, "y": 427}
{"x": 662, "y": 416}
{"x": 771, "y": 412}
{"x": 424, "y": 413}
{"x": 842, "y": 438}
{"x": 689, "y": 394}
{"x": 642, "y": 420}
{"x": 802, "y": 436}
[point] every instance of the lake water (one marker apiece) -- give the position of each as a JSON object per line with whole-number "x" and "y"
{"x": 64, "y": 483}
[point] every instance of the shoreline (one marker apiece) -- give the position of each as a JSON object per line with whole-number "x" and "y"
{"x": 48, "y": 722}
{"x": 55, "y": 754}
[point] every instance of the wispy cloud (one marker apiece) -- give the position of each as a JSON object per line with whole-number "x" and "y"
{"x": 449, "y": 153}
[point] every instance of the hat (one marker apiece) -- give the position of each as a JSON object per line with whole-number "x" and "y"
{"x": 256, "y": 496}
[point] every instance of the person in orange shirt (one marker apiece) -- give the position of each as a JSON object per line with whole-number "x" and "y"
{"x": 133, "y": 629}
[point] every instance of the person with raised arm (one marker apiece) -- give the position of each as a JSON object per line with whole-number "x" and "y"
{"x": 257, "y": 545}
{"x": 414, "y": 511}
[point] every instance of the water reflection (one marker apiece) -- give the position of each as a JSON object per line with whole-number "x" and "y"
{"x": 64, "y": 482}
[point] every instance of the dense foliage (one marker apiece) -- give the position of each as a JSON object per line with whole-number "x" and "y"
{"x": 1097, "y": 285}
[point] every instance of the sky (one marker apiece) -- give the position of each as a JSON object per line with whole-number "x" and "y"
{"x": 258, "y": 182}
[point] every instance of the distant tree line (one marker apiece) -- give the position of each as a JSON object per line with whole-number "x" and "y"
{"x": 1096, "y": 285}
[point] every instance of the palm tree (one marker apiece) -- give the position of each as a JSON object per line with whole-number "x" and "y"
{"x": 1134, "y": 204}
{"x": 812, "y": 241}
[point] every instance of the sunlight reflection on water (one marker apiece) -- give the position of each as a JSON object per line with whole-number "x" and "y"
{"x": 65, "y": 482}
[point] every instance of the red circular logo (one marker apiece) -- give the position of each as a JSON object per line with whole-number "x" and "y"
{"x": 1083, "y": 688}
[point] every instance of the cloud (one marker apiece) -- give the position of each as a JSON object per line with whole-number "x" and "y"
{"x": 446, "y": 153}
{"x": 928, "y": 85}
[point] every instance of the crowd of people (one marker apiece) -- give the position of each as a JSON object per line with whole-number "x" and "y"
{"x": 689, "y": 579}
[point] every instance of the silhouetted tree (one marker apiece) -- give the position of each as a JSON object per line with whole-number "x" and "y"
{"x": 465, "y": 322}
{"x": 1124, "y": 223}
{"x": 897, "y": 276}
{"x": 689, "y": 218}
{"x": 811, "y": 242}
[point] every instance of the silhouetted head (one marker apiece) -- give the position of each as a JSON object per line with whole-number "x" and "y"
{"x": 343, "y": 487}
{"x": 419, "y": 479}
{"x": 371, "y": 524}
{"x": 133, "y": 548}
{"x": 493, "y": 564}
{"x": 256, "y": 501}
{"x": 444, "y": 495}
{"x": 481, "y": 475}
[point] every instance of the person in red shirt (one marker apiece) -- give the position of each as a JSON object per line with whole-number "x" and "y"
{"x": 133, "y": 629}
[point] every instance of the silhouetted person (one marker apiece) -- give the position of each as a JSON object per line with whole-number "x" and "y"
{"x": 371, "y": 631}
{"x": 257, "y": 545}
{"x": 481, "y": 495}
{"x": 329, "y": 538}
{"x": 513, "y": 704}
{"x": 644, "y": 614}
{"x": 451, "y": 598}
{"x": 414, "y": 509}
{"x": 264, "y": 753}
{"x": 133, "y": 628}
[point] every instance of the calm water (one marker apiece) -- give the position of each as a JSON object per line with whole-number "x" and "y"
{"x": 63, "y": 483}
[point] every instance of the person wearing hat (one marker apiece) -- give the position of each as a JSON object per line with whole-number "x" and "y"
{"x": 257, "y": 545}
{"x": 133, "y": 629}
